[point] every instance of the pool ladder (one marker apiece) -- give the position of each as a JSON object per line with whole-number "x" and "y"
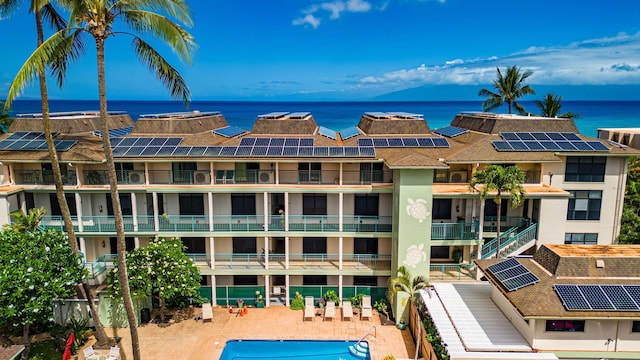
{"x": 361, "y": 348}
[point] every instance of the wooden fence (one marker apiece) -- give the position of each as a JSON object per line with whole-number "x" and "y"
{"x": 415, "y": 325}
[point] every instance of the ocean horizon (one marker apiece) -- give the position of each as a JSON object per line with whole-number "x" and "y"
{"x": 338, "y": 115}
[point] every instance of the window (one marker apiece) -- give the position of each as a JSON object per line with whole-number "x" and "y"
{"x": 194, "y": 245}
{"x": 439, "y": 252}
{"x": 366, "y": 205}
{"x": 245, "y": 280}
{"x": 584, "y": 205}
{"x": 243, "y": 204}
{"x": 314, "y": 204}
{"x": 55, "y": 205}
{"x": 129, "y": 244}
{"x": 635, "y": 326}
{"x": 441, "y": 209}
{"x": 491, "y": 208}
{"x": 314, "y": 245}
{"x": 309, "y": 172}
{"x": 125, "y": 204}
{"x": 247, "y": 172}
{"x": 365, "y": 246}
{"x": 365, "y": 281}
{"x": 191, "y": 204}
{"x": 244, "y": 245}
{"x": 565, "y": 325}
{"x": 581, "y": 238}
{"x": 183, "y": 172}
{"x": 314, "y": 279}
{"x": 585, "y": 169}
{"x": 371, "y": 172}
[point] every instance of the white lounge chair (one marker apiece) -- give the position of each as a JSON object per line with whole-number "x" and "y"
{"x": 330, "y": 310}
{"x": 347, "y": 310}
{"x": 366, "y": 310}
{"x": 114, "y": 353}
{"x": 309, "y": 308}
{"x": 207, "y": 312}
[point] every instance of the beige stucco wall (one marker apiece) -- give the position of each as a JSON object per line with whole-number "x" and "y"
{"x": 595, "y": 334}
{"x": 552, "y": 221}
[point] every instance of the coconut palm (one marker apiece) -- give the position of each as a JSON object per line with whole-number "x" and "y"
{"x": 550, "y": 106}
{"x": 98, "y": 18}
{"x": 405, "y": 282}
{"x": 26, "y": 222}
{"x": 497, "y": 181}
{"x": 44, "y": 10}
{"x": 508, "y": 89}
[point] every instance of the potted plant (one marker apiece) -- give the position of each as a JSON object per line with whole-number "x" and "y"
{"x": 239, "y": 302}
{"x": 402, "y": 325}
{"x": 382, "y": 306}
{"x": 457, "y": 255}
{"x": 321, "y": 303}
{"x": 259, "y": 301}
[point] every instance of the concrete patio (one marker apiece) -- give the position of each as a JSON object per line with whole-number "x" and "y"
{"x": 195, "y": 340}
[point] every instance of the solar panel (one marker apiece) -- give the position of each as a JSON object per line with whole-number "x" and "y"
{"x": 620, "y": 298}
{"x": 181, "y": 151}
{"x": 581, "y": 145}
{"x": 520, "y": 281}
{"x": 509, "y": 136}
{"x": 275, "y": 150}
{"x": 115, "y": 132}
{"x": 349, "y": 132}
{"x": 306, "y": 142}
{"x": 244, "y": 151}
{"x": 299, "y": 115}
{"x": 277, "y": 142}
{"x": 503, "y": 265}
{"x": 259, "y": 151}
{"x": 533, "y": 145}
{"x": 158, "y": 141}
{"x": 115, "y": 141}
{"x": 247, "y": 141}
{"x": 440, "y": 142}
{"x": 150, "y": 151}
{"x": 571, "y": 297}
{"x": 321, "y": 151}
{"x": 512, "y": 274}
{"x": 599, "y": 297}
{"x": 212, "y": 151}
{"x": 450, "y": 131}
{"x": 262, "y": 142}
{"x": 290, "y": 151}
{"x": 546, "y": 141}
{"x": 410, "y": 142}
{"x": 291, "y": 142}
{"x": 367, "y": 151}
{"x": 273, "y": 115}
{"x": 336, "y": 151}
{"x": 380, "y": 142}
{"x": 395, "y": 142}
{"x": 597, "y": 146}
{"x": 518, "y": 145}
{"x": 327, "y": 133}
{"x": 197, "y": 150}
{"x": 29, "y": 135}
{"x": 351, "y": 151}
{"x": 540, "y": 136}
{"x": 565, "y": 145}
{"x": 166, "y": 150}
{"x": 305, "y": 151}
{"x": 365, "y": 142}
{"x": 596, "y": 297}
{"x": 571, "y": 136}
{"x": 142, "y": 142}
{"x": 134, "y": 151}
{"x": 228, "y": 151}
{"x": 173, "y": 141}
{"x": 128, "y": 141}
{"x": 425, "y": 142}
{"x": 64, "y": 145}
{"x": 230, "y": 131}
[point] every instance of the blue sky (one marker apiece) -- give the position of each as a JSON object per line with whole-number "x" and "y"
{"x": 359, "y": 49}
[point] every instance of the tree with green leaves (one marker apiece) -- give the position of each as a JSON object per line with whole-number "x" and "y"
{"x": 45, "y": 11}
{"x": 630, "y": 222}
{"x": 497, "y": 181}
{"x": 407, "y": 283}
{"x": 26, "y": 222}
{"x": 551, "y": 105}
{"x": 5, "y": 119}
{"x": 35, "y": 269}
{"x": 97, "y": 18}
{"x": 508, "y": 89}
{"x": 161, "y": 270}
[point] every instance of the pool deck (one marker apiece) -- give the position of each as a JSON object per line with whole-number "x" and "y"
{"x": 195, "y": 340}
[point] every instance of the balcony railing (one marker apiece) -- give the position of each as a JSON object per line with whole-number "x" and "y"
{"x": 304, "y": 261}
{"x": 454, "y": 231}
{"x": 491, "y": 222}
{"x": 463, "y": 176}
{"x": 449, "y": 272}
{"x": 44, "y": 177}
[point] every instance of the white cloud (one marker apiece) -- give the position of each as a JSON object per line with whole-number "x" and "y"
{"x": 333, "y": 9}
{"x": 609, "y": 60}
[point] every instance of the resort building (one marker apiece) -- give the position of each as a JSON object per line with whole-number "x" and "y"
{"x": 289, "y": 206}
{"x": 622, "y": 136}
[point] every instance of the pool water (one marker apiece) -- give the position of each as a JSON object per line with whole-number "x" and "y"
{"x": 290, "y": 350}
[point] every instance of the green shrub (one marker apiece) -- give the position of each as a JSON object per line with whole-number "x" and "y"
{"x": 356, "y": 300}
{"x": 389, "y": 357}
{"x": 298, "y": 302}
{"x": 331, "y": 295}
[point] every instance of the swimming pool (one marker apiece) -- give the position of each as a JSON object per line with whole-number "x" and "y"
{"x": 292, "y": 350}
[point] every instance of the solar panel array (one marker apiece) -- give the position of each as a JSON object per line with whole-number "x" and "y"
{"x": 269, "y": 141}
{"x": 512, "y": 274}
{"x": 450, "y": 131}
{"x": 327, "y": 133}
{"x": 349, "y": 132}
{"x": 115, "y": 132}
{"x": 546, "y": 141}
{"x": 230, "y": 131}
{"x": 389, "y": 115}
{"x": 403, "y": 142}
{"x": 599, "y": 297}
{"x": 33, "y": 140}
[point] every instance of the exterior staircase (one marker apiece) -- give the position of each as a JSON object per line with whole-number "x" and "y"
{"x": 513, "y": 241}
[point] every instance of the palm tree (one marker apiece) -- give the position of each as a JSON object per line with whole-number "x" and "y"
{"x": 43, "y": 10}
{"x": 5, "y": 119}
{"x": 497, "y": 181}
{"x": 550, "y": 106}
{"x": 97, "y": 18}
{"x": 26, "y": 222}
{"x": 405, "y": 282}
{"x": 508, "y": 88}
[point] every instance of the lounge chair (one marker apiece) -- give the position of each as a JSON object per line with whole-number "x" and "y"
{"x": 230, "y": 177}
{"x": 220, "y": 177}
{"x": 347, "y": 310}
{"x": 330, "y": 310}
{"x": 207, "y": 312}
{"x": 309, "y": 308}
{"x": 366, "y": 310}
{"x": 114, "y": 353}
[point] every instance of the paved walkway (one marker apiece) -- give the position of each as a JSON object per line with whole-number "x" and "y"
{"x": 195, "y": 340}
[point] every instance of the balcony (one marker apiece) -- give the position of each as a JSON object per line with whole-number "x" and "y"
{"x": 363, "y": 262}
{"x": 463, "y": 176}
{"x": 124, "y": 177}
{"x": 455, "y": 231}
{"x": 44, "y": 177}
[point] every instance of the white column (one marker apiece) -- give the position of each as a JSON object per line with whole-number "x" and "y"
{"x": 210, "y": 207}
{"x": 286, "y": 211}
{"x": 23, "y": 204}
{"x": 340, "y": 209}
{"x": 340, "y": 287}
{"x": 340, "y": 252}
{"x": 156, "y": 221}
{"x": 286, "y": 291}
{"x": 78, "y": 200}
{"x": 340, "y": 175}
{"x": 136, "y": 242}
{"x": 265, "y": 209}
{"x": 212, "y": 279}
{"x": 286, "y": 252}
{"x": 277, "y": 174}
{"x": 212, "y": 252}
{"x": 134, "y": 213}
{"x": 266, "y": 253}
{"x": 146, "y": 174}
{"x": 267, "y": 293}
{"x": 83, "y": 247}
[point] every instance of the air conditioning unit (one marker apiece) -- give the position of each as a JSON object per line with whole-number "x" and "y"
{"x": 458, "y": 177}
{"x": 265, "y": 177}
{"x": 201, "y": 177}
{"x": 136, "y": 177}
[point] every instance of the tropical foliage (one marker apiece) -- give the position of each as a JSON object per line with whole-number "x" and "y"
{"x": 26, "y": 222}
{"x": 35, "y": 269}
{"x": 161, "y": 270}
{"x": 630, "y": 226}
{"x": 551, "y": 105}
{"x": 508, "y": 89}
{"x": 5, "y": 119}
{"x": 497, "y": 181}
{"x": 407, "y": 283}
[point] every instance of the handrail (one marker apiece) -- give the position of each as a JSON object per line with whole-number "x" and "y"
{"x": 375, "y": 335}
{"x": 489, "y": 249}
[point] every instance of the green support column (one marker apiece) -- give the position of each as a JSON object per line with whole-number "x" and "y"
{"x": 412, "y": 204}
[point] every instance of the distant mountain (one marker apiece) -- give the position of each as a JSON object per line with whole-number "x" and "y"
{"x": 470, "y": 92}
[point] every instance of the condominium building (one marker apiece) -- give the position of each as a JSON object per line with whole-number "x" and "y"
{"x": 289, "y": 206}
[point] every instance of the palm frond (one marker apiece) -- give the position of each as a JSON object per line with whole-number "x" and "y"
{"x": 34, "y": 65}
{"x": 177, "y": 9}
{"x": 7, "y": 7}
{"x": 52, "y": 17}
{"x": 68, "y": 52}
{"x": 146, "y": 22}
{"x": 167, "y": 75}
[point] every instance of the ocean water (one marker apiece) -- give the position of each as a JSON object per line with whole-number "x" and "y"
{"x": 341, "y": 115}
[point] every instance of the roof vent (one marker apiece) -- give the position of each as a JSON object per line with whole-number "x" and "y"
{"x": 600, "y": 263}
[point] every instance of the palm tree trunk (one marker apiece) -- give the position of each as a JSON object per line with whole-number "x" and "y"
{"x": 101, "y": 335}
{"x": 498, "y": 229}
{"x": 115, "y": 198}
{"x": 27, "y": 342}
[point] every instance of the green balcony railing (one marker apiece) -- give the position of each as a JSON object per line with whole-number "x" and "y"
{"x": 239, "y": 261}
{"x": 455, "y": 231}
{"x": 507, "y": 238}
{"x": 238, "y": 223}
{"x": 491, "y": 222}
{"x": 366, "y": 223}
{"x": 44, "y": 177}
{"x": 186, "y": 223}
{"x": 100, "y": 265}
{"x": 314, "y": 222}
{"x": 448, "y": 272}
{"x": 127, "y": 177}
{"x": 100, "y": 223}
